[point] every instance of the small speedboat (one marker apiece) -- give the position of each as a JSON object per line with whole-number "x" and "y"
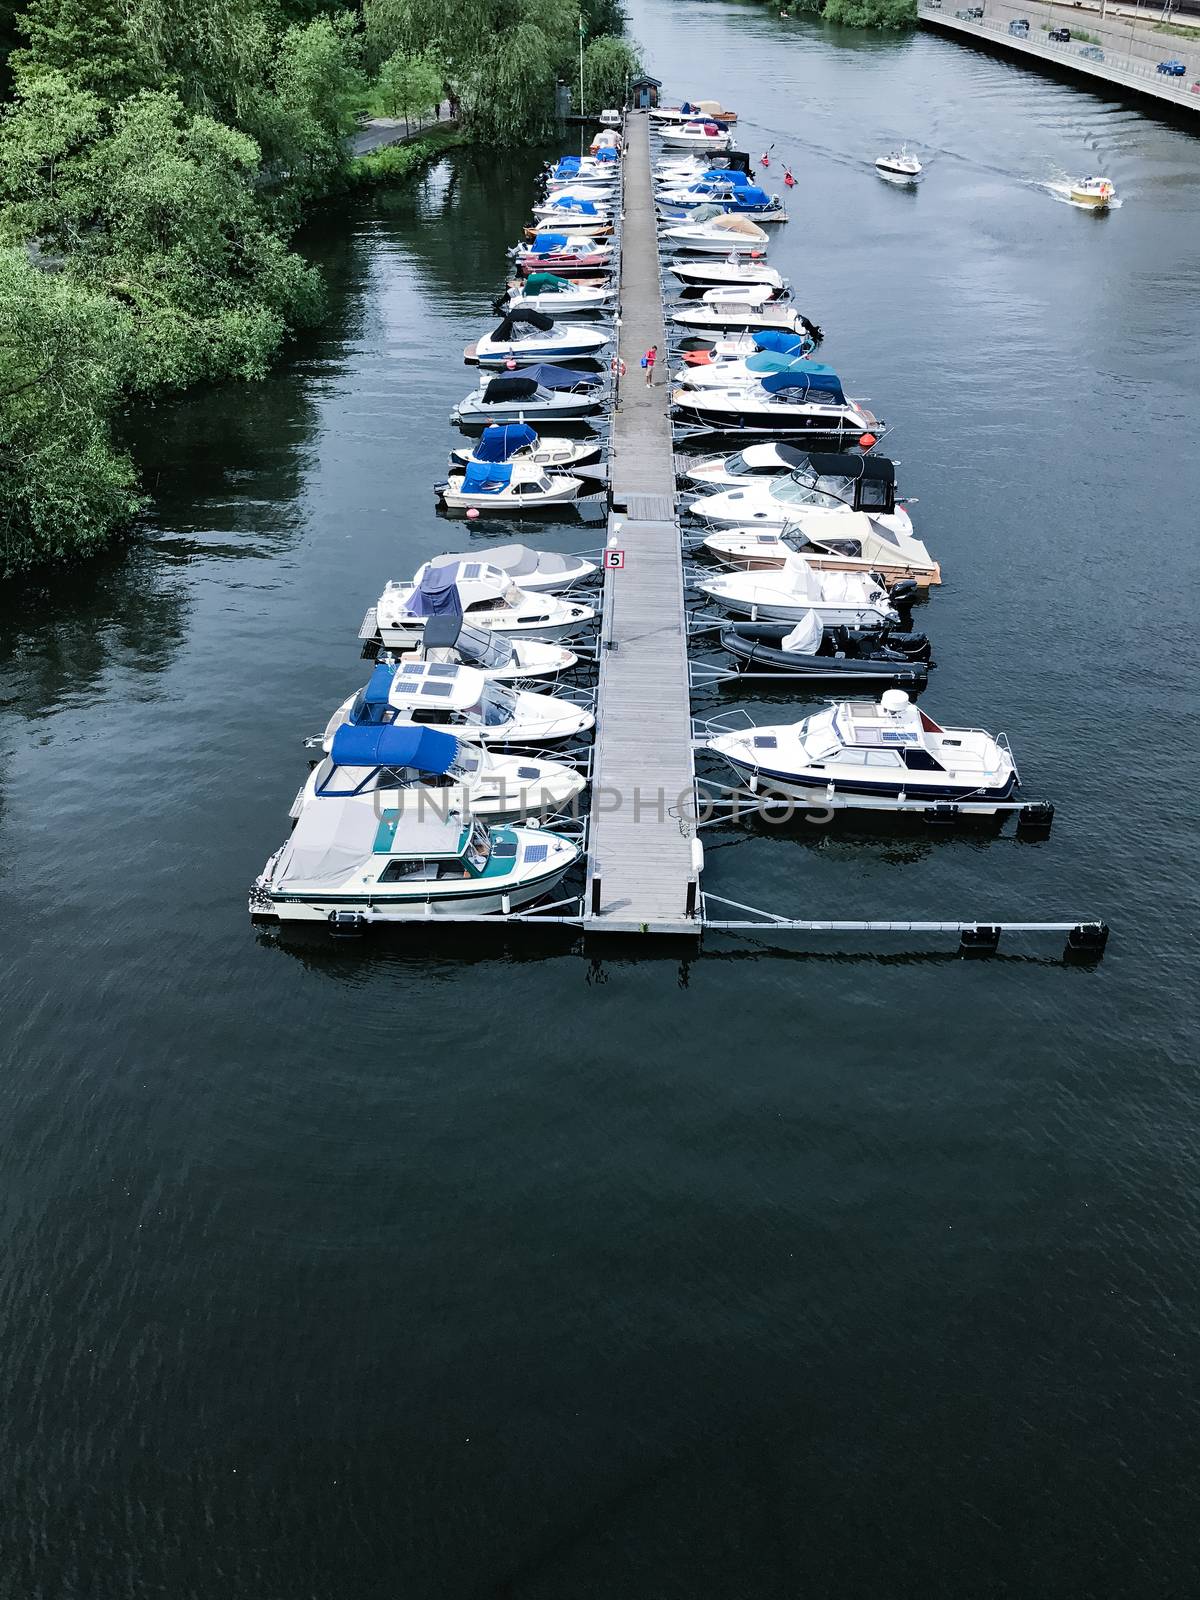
{"x": 670, "y": 115}
{"x": 783, "y": 403}
{"x": 461, "y": 701}
{"x": 899, "y": 164}
{"x": 674, "y": 205}
{"x": 517, "y": 441}
{"x": 842, "y": 599}
{"x": 734, "y": 273}
{"x": 448, "y": 639}
{"x": 872, "y": 754}
{"x": 412, "y": 768}
{"x": 543, "y": 391}
{"x": 527, "y": 336}
{"x": 717, "y": 235}
{"x": 483, "y": 595}
{"x": 557, "y": 297}
{"x": 756, "y": 461}
{"x": 568, "y": 206}
{"x": 572, "y": 253}
{"x": 750, "y": 308}
{"x": 346, "y": 862}
{"x": 1098, "y": 192}
{"x": 507, "y": 487}
{"x": 829, "y": 655}
{"x": 536, "y": 571}
{"x": 703, "y": 135}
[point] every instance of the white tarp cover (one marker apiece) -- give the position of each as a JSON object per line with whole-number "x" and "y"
{"x": 805, "y": 637}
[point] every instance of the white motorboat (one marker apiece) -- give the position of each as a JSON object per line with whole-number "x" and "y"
{"x": 747, "y": 370}
{"x": 670, "y": 115}
{"x": 544, "y": 392}
{"x": 412, "y": 768}
{"x": 529, "y": 336}
{"x": 832, "y": 541}
{"x": 734, "y": 273}
{"x": 696, "y": 136}
{"x": 752, "y": 309}
{"x": 557, "y": 297}
{"x": 536, "y": 571}
{"x": 742, "y": 199}
{"x": 899, "y": 164}
{"x": 716, "y": 236}
{"x": 1097, "y": 192}
{"x": 461, "y": 701}
{"x": 722, "y": 471}
{"x": 507, "y": 487}
{"x": 570, "y": 207}
{"x": 840, "y": 599}
{"x": 781, "y": 404}
{"x": 504, "y": 657}
{"x": 484, "y": 596}
{"x": 838, "y": 485}
{"x": 871, "y": 755}
{"x": 344, "y": 862}
{"x": 517, "y": 441}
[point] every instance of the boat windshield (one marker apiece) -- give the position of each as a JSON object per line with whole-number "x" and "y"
{"x": 479, "y": 847}
{"x": 805, "y": 489}
{"x": 819, "y": 738}
{"x": 496, "y": 705}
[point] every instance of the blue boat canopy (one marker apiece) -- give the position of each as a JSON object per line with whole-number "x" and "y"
{"x": 767, "y": 361}
{"x": 551, "y": 377}
{"x": 570, "y": 202}
{"x": 394, "y": 745}
{"x": 544, "y": 243}
{"x": 778, "y": 339}
{"x": 606, "y": 153}
{"x": 437, "y": 596}
{"x": 501, "y": 440}
{"x": 726, "y": 175}
{"x": 486, "y": 477}
{"x": 749, "y": 195}
{"x": 805, "y": 378}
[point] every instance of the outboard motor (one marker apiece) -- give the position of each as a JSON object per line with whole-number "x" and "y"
{"x": 811, "y": 329}
{"x": 903, "y": 593}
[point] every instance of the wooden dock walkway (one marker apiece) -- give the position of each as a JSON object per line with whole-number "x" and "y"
{"x": 641, "y": 876}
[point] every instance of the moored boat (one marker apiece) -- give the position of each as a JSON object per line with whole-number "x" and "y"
{"x": 843, "y": 599}
{"x": 832, "y": 655}
{"x": 527, "y": 336}
{"x": 484, "y": 596}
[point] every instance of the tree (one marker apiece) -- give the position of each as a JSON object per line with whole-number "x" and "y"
{"x": 608, "y": 64}
{"x": 317, "y": 80}
{"x": 871, "y": 13}
{"x": 410, "y": 85}
{"x": 63, "y": 487}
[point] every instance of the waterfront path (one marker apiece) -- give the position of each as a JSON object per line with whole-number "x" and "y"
{"x": 641, "y": 876}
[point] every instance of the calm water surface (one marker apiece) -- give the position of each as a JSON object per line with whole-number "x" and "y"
{"x": 374, "y": 1272}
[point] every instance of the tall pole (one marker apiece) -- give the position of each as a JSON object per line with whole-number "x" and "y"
{"x": 581, "y": 111}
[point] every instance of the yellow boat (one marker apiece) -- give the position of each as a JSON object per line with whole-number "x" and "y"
{"x": 1092, "y": 192}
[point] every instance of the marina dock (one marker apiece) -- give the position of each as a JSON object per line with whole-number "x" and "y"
{"x": 641, "y": 869}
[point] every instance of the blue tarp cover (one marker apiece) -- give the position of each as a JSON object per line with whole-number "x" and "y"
{"x": 808, "y": 377}
{"x": 726, "y": 175}
{"x": 437, "y": 596}
{"x": 500, "y": 440}
{"x": 606, "y": 153}
{"x": 393, "y": 746}
{"x": 780, "y": 341}
{"x": 486, "y": 477}
{"x": 545, "y": 242}
{"x": 556, "y": 377}
{"x": 570, "y": 202}
{"x": 750, "y": 196}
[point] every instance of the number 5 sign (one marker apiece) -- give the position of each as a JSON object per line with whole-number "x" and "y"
{"x": 613, "y": 559}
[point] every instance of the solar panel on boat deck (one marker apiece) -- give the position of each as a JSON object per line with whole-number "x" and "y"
{"x": 442, "y": 669}
{"x": 536, "y": 852}
{"x": 765, "y": 741}
{"x": 439, "y": 691}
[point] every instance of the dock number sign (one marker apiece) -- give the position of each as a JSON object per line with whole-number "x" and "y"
{"x": 614, "y": 559}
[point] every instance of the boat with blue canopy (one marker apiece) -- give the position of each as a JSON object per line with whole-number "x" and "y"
{"x": 750, "y": 370}
{"x": 793, "y": 402}
{"x": 517, "y": 441}
{"x": 504, "y": 487}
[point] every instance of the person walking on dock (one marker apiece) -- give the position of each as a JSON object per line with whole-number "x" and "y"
{"x": 648, "y": 361}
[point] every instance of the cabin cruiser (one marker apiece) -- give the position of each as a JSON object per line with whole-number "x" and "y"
{"x": 702, "y": 371}
{"x": 703, "y": 135}
{"x": 752, "y": 310}
{"x": 599, "y": 230}
{"x": 423, "y": 770}
{"x": 833, "y": 541}
{"x": 774, "y": 483}
{"x": 681, "y": 204}
{"x": 733, "y": 273}
{"x": 345, "y": 861}
{"x": 843, "y": 599}
{"x": 573, "y": 170}
{"x": 461, "y": 701}
{"x": 717, "y": 235}
{"x": 1097, "y": 192}
{"x": 533, "y": 336}
{"x": 558, "y": 297}
{"x": 782, "y": 403}
{"x": 899, "y": 164}
{"x": 721, "y": 471}
{"x": 536, "y": 571}
{"x": 573, "y": 252}
{"x": 508, "y": 486}
{"x": 517, "y": 441}
{"x": 829, "y": 655}
{"x": 541, "y": 391}
{"x": 873, "y": 754}
{"x": 484, "y": 596}
{"x": 669, "y": 115}
{"x": 504, "y": 657}
{"x": 682, "y": 175}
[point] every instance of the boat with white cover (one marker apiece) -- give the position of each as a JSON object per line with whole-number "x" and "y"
{"x": 544, "y": 391}
{"x": 870, "y": 754}
{"x": 537, "y": 571}
{"x": 346, "y": 860}
{"x": 414, "y": 768}
{"x": 507, "y": 487}
{"x": 840, "y": 599}
{"x": 899, "y": 164}
{"x": 502, "y": 656}
{"x": 517, "y": 441}
{"x": 527, "y": 336}
{"x": 734, "y": 273}
{"x": 833, "y": 541}
{"x": 716, "y": 236}
{"x": 461, "y": 701}
{"x": 480, "y": 594}
{"x": 696, "y": 136}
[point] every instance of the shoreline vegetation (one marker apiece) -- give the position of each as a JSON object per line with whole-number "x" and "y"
{"x": 156, "y": 159}
{"x": 855, "y": 13}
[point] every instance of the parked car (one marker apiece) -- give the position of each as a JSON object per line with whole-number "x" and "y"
{"x": 1060, "y": 35}
{"x": 1019, "y": 26}
{"x": 976, "y": 13}
{"x": 1092, "y": 52}
{"x": 1173, "y": 69}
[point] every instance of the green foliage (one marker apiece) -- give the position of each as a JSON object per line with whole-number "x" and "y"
{"x": 409, "y": 85}
{"x": 63, "y": 487}
{"x": 608, "y": 64}
{"x": 317, "y": 82}
{"x": 871, "y": 13}
{"x": 396, "y": 162}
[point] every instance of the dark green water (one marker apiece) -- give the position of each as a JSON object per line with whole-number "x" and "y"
{"x": 375, "y": 1272}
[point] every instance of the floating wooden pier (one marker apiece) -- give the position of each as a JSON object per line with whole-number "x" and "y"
{"x": 643, "y": 854}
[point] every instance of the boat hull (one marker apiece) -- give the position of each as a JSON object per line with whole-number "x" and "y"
{"x": 863, "y": 672}
{"x": 812, "y": 790}
{"x": 866, "y": 615}
{"x": 409, "y": 907}
{"x": 815, "y": 430}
